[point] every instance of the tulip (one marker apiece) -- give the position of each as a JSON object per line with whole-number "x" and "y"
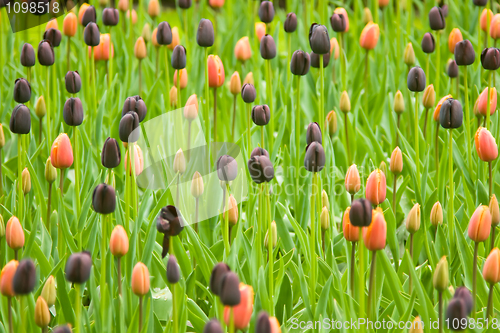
{"x": 173, "y": 96}
{"x": 300, "y": 63}
{"x": 464, "y": 53}
{"x": 436, "y": 18}
{"x": 486, "y": 146}
{"x": 235, "y": 84}
{"x": 88, "y": 16}
{"x": 103, "y": 51}
{"x": 49, "y": 291}
{"x": 450, "y": 114}
{"x": 376, "y": 187}
{"x": 26, "y": 181}
{"x": 111, "y": 154}
{"x": 352, "y": 181}
{"x": 428, "y": 44}
{"x": 179, "y": 57}
{"x": 314, "y": 160}
{"x": 118, "y": 243}
{"x": 104, "y": 199}
{"x": 170, "y": 224}
{"x": 22, "y": 91}
{"x": 140, "y": 285}
{"x": 334, "y": 48}
{"x": 70, "y": 24}
{"x": 490, "y": 58}
{"x": 213, "y": 326}
{"x": 456, "y": 315}
{"x": 197, "y": 189}
{"x": 45, "y": 53}
{"x": 313, "y": 133}
{"x": 215, "y": 72}
{"x": 191, "y": 108}
{"x": 205, "y": 34}
{"x": 480, "y": 3}
{"x": 290, "y": 24}
{"x": 266, "y": 11}
{"x": 263, "y": 323}
{"x": 128, "y": 124}
{"x": 175, "y": 39}
{"x": 396, "y": 164}
{"x": 134, "y": 16}
{"x": 73, "y": 82}
{"x": 232, "y": 211}
{"x": 14, "y": 234}
{"x": 261, "y": 115}
{"x": 242, "y": 49}
{"x": 315, "y": 59}
{"x": 440, "y": 282}
{"x": 351, "y": 234}
{"x": 491, "y": 274}
{"x": 369, "y": 36}
{"x": 267, "y": 47}
{"x": 454, "y": 37}
{"x": 6, "y": 280}
{"x": 164, "y": 33}
{"x": 412, "y": 226}
{"x": 409, "y": 55}
{"x": 261, "y": 169}
{"x": 153, "y": 9}
{"x": 42, "y": 314}
{"x": 179, "y": 162}
{"x": 242, "y": 312}
{"x": 110, "y": 16}
{"x": 339, "y": 22}
{"x": 216, "y": 3}
{"x": 73, "y": 112}
{"x": 62, "y": 329}
{"x": 53, "y": 36}
{"x": 25, "y": 278}
{"x": 417, "y": 326}
{"x": 27, "y": 55}
{"x": 61, "y": 153}
{"x": 173, "y": 273}
{"x": 260, "y": 30}
{"x": 136, "y": 104}
{"x": 184, "y": 4}
{"x": 258, "y": 151}
{"x": 482, "y": 101}
{"x": 485, "y": 19}
{"x": 495, "y": 218}
{"x": 360, "y": 213}
{"x": 183, "y": 79}
{"x": 218, "y": 273}
{"x": 331, "y": 123}
{"x": 229, "y": 288}
{"x": 436, "y": 214}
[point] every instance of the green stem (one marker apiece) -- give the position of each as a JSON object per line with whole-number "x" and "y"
{"x": 174, "y": 309}
{"x": 19, "y": 176}
{"x": 346, "y": 128}
{"x": 94, "y": 92}
{"x": 270, "y": 251}
{"x": 231, "y": 320}
{"x": 398, "y": 41}
{"x": 371, "y": 282}
{"x": 488, "y": 105}
{"x": 490, "y": 301}
{"x": 411, "y": 256}
{"x": 467, "y": 120}
{"x": 417, "y": 139}
{"x": 490, "y": 180}
{"x": 49, "y": 137}
{"x": 215, "y": 114}
{"x": 451, "y": 222}
{"x": 366, "y": 82}
{"x": 409, "y": 22}
{"x": 351, "y": 274}
{"x": 103, "y": 259}
{"x": 77, "y": 180}
{"x": 297, "y": 143}
{"x": 167, "y": 78}
{"x": 436, "y": 152}
{"x": 227, "y": 246}
{"x": 438, "y": 61}
{"x": 22, "y": 313}
{"x": 78, "y": 308}
{"x": 110, "y": 62}
{"x": 312, "y": 242}
{"x": 259, "y": 224}
{"x": 322, "y": 96}
{"x": 270, "y": 100}
{"x": 474, "y": 278}
{"x": 361, "y": 279}
{"x": 493, "y": 231}
{"x": 206, "y": 116}
{"x": 440, "y": 312}
{"x": 343, "y": 64}
{"x": 249, "y": 129}
{"x": 140, "y": 310}
{"x": 9, "y": 304}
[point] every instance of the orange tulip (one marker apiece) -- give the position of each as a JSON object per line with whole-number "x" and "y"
{"x": 242, "y": 49}
{"x": 480, "y": 224}
{"x": 134, "y": 16}
{"x": 453, "y": 39}
{"x": 242, "y": 311}
{"x": 138, "y": 161}
{"x": 351, "y": 233}
{"x": 235, "y": 84}
{"x": 140, "y": 279}
{"x": 118, "y": 242}
{"x": 70, "y": 24}
{"x": 495, "y": 27}
{"x": 61, "y": 153}
{"x": 376, "y": 187}
{"x": 215, "y": 71}
{"x": 82, "y": 10}
{"x": 175, "y": 39}
{"x": 383, "y": 3}
{"x": 482, "y": 102}
{"x": 341, "y": 10}
{"x": 184, "y": 78}
{"x": 369, "y": 36}
{"x": 260, "y": 30}
{"x": 435, "y": 116}
{"x": 52, "y": 24}
{"x": 123, "y": 5}
{"x": 484, "y": 19}
{"x": 486, "y": 146}
{"x": 154, "y": 40}
{"x": 191, "y": 107}
{"x": 14, "y": 233}
{"x": 491, "y": 268}
{"x": 153, "y": 8}
{"x": 101, "y": 51}
{"x": 334, "y": 48}
{"x": 6, "y": 277}
{"x": 375, "y": 234}
{"x": 216, "y": 3}
{"x": 352, "y": 180}
{"x": 275, "y": 325}
{"x": 140, "y": 51}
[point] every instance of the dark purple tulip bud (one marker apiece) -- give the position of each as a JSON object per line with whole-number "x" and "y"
{"x": 78, "y": 267}
{"x": 164, "y": 33}
{"x": 318, "y": 39}
{"x": 179, "y": 57}
{"x": 27, "y": 55}
{"x": 73, "y": 82}
{"x": 360, "y": 214}
{"x": 338, "y": 22}
{"x": 444, "y": 9}
{"x": 490, "y": 58}
{"x": 416, "y": 79}
{"x": 104, "y": 199}
{"x": 428, "y": 43}
{"x": 137, "y": 105}
{"x": 290, "y": 24}
{"x": 267, "y": 47}
{"x": 173, "y": 273}
{"x": 53, "y": 36}
{"x": 451, "y": 114}
{"x": 263, "y": 325}
{"x": 315, "y": 59}
{"x": 456, "y": 315}
{"x": 480, "y": 3}
{"x": 73, "y": 112}
{"x": 165, "y": 245}
{"x": 230, "y": 289}
{"x": 110, "y": 17}
{"x": 313, "y": 133}
{"x": 184, "y": 4}
{"x": 466, "y": 296}
{"x": 464, "y": 53}
{"x": 205, "y": 35}
{"x": 227, "y": 168}
{"x": 22, "y": 90}
{"x": 24, "y": 279}
{"x": 89, "y": 16}
{"x": 213, "y": 326}
{"x": 45, "y": 53}
{"x": 452, "y": 69}
{"x": 261, "y": 115}
{"x": 261, "y": 169}
{"x": 111, "y": 155}
{"x": 128, "y": 123}
{"x": 437, "y": 19}
{"x": 62, "y": 329}
{"x": 169, "y": 221}
{"x": 91, "y": 34}
{"x": 314, "y": 161}
{"x": 248, "y": 93}
{"x": 216, "y": 277}
{"x": 259, "y": 152}
{"x": 266, "y": 11}
{"x": 300, "y": 63}
{"x": 20, "y": 120}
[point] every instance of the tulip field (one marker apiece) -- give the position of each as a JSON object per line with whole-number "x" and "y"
{"x": 249, "y": 166}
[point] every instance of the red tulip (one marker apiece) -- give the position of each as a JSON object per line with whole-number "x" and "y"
{"x": 480, "y": 224}
{"x": 486, "y": 146}
{"x": 369, "y": 36}
{"x": 351, "y": 233}
{"x": 242, "y": 311}
{"x": 376, "y": 187}
{"x": 14, "y": 234}
{"x": 491, "y": 268}
{"x": 118, "y": 242}
{"x": 140, "y": 279}
{"x": 454, "y": 38}
{"x": 215, "y": 71}
{"x": 6, "y": 277}
{"x": 61, "y": 153}
{"x": 374, "y": 236}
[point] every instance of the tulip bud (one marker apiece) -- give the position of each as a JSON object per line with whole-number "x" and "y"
{"x": 465, "y": 295}
{"x": 45, "y": 53}
{"x": 49, "y": 291}
{"x": 486, "y": 146}
{"x": 191, "y": 108}
{"x": 70, "y": 24}
{"x": 89, "y": 16}
{"x": 146, "y": 33}
{"x": 452, "y": 68}
{"x": 136, "y": 104}
{"x": 338, "y": 22}
{"x": 416, "y": 79}
{"x": 259, "y": 151}
{"x": 437, "y": 110}
{"x": 179, "y": 162}
{"x": 331, "y": 123}
{"x": 263, "y": 324}
{"x": 183, "y": 76}
{"x": 300, "y": 63}
{"x": 436, "y": 19}
{"x": 173, "y": 96}
{"x": 232, "y": 211}
{"x": 399, "y": 103}
{"x": 451, "y": 114}
{"x": 249, "y": 79}
{"x": 369, "y": 36}
{"x": 169, "y": 222}
{"x": 91, "y": 35}
{"x": 197, "y": 186}
{"x": 290, "y": 24}
{"x": 229, "y": 289}
{"x": 6, "y": 278}
{"x": 62, "y": 329}
{"x": 437, "y": 214}
{"x": 325, "y": 218}
{"x": 104, "y": 199}
{"x": 20, "y": 120}
{"x": 140, "y": 51}
{"x": 409, "y": 55}
{"x": 343, "y": 12}
{"x": 248, "y": 93}
{"x": 454, "y": 37}
{"x": 26, "y": 181}
{"x": 14, "y": 234}
{"x": 73, "y": 82}
{"x": 319, "y": 39}
{"x": 179, "y": 57}
{"x": 314, "y": 160}
{"x": 42, "y": 314}
{"x": 205, "y": 34}
{"x": 360, "y": 214}
{"x": 267, "y": 47}
{"x": 480, "y": 224}
{"x": 274, "y": 236}
{"x": 456, "y": 315}
{"x": 383, "y": 167}
{"x": 441, "y": 275}
{"x": 428, "y": 44}
{"x": 266, "y": 11}
{"x": 118, "y": 242}
{"x": 490, "y": 58}
{"x": 27, "y": 55}
{"x": 128, "y": 123}
{"x": 494, "y": 211}
{"x": 376, "y": 187}
{"x": 173, "y": 273}
{"x": 216, "y": 74}
{"x": 242, "y": 311}
{"x": 111, "y": 154}
{"x": 429, "y": 97}
{"x": 352, "y": 180}
{"x": 140, "y": 279}
{"x": 242, "y": 49}
{"x": 53, "y": 36}
{"x": 367, "y": 16}
{"x": 261, "y": 169}
{"x": 313, "y": 133}
{"x": 218, "y": 273}
{"x": 417, "y": 326}
{"x": 261, "y": 115}
{"x": 110, "y": 16}
{"x": 315, "y": 59}
{"x": 153, "y": 8}
{"x": 464, "y": 53}
{"x": 480, "y": 3}
{"x": 396, "y": 164}
{"x": 374, "y": 236}
{"x": 351, "y": 233}
{"x": 413, "y": 219}
{"x": 486, "y": 15}
{"x": 213, "y": 326}
{"x": 22, "y": 90}
{"x": 25, "y": 278}
{"x": 491, "y": 268}
{"x": 61, "y": 153}
{"x": 235, "y": 84}
{"x": 2, "y": 227}
{"x": 495, "y": 27}
{"x": 164, "y": 33}
{"x": 73, "y": 112}
{"x": 50, "y": 172}
{"x": 345, "y": 103}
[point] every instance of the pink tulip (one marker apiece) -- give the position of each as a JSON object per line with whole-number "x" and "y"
{"x": 486, "y": 146}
